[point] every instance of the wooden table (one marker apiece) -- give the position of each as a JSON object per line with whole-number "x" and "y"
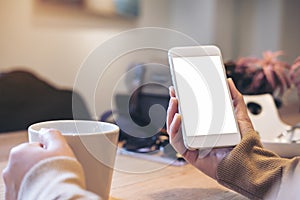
{"x": 151, "y": 180}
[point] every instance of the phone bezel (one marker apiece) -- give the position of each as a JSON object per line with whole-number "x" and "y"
{"x": 210, "y": 140}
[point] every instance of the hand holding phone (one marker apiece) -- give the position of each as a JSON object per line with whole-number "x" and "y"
{"x": 206, "y": 161}
{"x": 204, "y": 99}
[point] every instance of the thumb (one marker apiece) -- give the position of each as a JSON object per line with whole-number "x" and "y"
{"x": 233, "y": 90}
{"x": 241, "y": 112}
{"x": 51, "y": 139}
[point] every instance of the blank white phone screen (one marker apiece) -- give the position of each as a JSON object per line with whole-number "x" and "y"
{"x": 204, "y": 100}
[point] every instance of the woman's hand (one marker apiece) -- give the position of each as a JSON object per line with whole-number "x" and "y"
{"x": 207, "y": 162}
{"x": 24, "y": 156}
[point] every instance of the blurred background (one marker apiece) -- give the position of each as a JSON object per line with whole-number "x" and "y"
{"x": 53, "y": 37}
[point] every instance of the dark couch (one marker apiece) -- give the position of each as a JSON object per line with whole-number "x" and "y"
{"x": 26, "y": 99}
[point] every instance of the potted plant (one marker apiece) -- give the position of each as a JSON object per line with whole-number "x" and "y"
{"x": 268, "y": 74}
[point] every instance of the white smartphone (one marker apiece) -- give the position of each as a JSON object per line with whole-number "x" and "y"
{"x": 204, "y": 99}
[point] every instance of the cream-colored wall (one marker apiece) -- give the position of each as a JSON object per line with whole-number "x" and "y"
{"x": 51, "y": 45}
{"x": 54, "y": 46}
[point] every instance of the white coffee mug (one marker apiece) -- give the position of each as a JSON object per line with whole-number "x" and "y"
{"x": 94, "y": 145}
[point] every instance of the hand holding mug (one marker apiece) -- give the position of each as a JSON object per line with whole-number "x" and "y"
{"x": 24, "y": 156}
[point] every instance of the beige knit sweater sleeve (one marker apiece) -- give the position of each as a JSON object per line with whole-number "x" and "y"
{"x": 256, "y": 172}
{"x": 55, "y": 178}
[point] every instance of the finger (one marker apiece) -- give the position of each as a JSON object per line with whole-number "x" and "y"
{"x": 175, "y": 125}
{"x": 172, "y": 109}
{"x": 172, "y": 91}
{"x": 176, "y": 139}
